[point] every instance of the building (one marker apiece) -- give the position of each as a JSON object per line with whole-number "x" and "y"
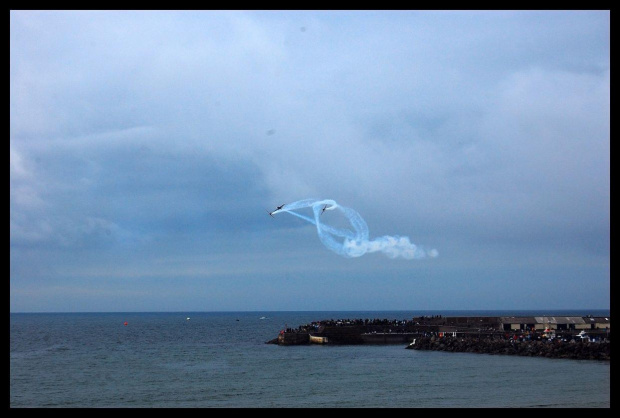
{"x": 560, "y": 323}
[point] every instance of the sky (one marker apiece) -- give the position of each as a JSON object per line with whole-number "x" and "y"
{"x": 146, "y": 148}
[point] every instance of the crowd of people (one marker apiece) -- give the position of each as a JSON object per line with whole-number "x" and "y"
{"x": 374, "y": 324}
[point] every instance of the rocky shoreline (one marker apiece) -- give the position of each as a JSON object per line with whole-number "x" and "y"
{"x": 575, "y": 350}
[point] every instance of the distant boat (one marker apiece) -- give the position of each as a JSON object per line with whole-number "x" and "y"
{"x": 263, "y": 317}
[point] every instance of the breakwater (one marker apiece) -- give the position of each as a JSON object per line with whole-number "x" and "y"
{"x": 553, "y": 337}
{"x": 578, "y": 350}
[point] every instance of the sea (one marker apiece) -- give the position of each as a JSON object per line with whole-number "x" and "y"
{"x": 221, "y": 360}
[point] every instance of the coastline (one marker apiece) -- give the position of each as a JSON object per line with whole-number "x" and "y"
{"x": 569, "y": 337}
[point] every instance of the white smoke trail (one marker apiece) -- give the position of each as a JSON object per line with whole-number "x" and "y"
{"x": 354, "y": 243}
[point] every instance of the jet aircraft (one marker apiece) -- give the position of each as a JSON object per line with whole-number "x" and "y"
{"x": 276, "y": 209}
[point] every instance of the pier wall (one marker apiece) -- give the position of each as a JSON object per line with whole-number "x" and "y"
{"x": 552, "y": 349}
{"x": 490, "y": 335}
{"x": 388, "y": 338}
{"x": 293, "y": 338}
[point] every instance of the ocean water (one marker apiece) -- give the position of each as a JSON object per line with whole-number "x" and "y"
{"x": 220, "y": 360}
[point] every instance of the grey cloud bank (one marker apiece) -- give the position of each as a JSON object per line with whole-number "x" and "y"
{"x": 146, "y": 146}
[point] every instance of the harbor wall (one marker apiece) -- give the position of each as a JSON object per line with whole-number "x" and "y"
{"x": 389, "y": 338}
{"x": 292, "y": 338}
{"x": 490, "y": 335}
{"x": 551, "y": 349}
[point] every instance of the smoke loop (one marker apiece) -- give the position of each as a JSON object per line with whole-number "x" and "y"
{"x": 355, "y": 242}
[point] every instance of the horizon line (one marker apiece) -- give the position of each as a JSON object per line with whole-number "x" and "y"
{"x": 313, "y": 311}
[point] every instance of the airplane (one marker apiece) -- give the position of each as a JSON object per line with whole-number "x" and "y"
{"x": 324, "y": 207}
{"x": 276, "y": 209}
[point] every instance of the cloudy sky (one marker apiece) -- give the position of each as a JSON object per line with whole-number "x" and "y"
{"x": 146, "y": 147}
